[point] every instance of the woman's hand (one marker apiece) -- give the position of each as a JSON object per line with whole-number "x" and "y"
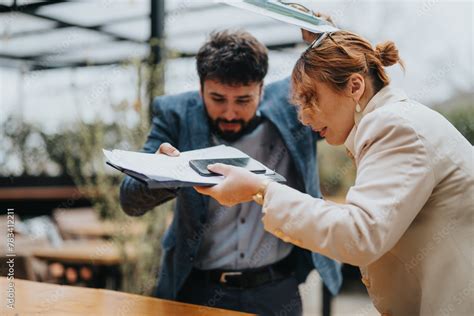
{"x": 238, "y": 186}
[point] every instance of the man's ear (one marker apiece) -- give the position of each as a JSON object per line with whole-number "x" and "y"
{"x": 356, "y": 86}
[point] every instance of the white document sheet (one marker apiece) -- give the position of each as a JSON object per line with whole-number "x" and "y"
{"x": 160, "y": 167}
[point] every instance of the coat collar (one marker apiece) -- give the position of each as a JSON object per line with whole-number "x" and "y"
{"x": 386, "y": 95}
{"x": 197, "y": 121}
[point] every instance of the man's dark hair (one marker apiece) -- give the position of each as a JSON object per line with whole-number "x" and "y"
{"x": 232, "y": 58}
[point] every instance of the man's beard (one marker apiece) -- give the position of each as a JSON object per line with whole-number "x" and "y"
{"x": 245, "y": 127}
{"x": 228, "y": 136}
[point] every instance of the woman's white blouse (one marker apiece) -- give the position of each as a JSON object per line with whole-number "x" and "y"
{"x": 408, "y": 219}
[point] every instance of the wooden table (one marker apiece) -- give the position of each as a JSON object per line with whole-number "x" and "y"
{"x": 33, "y": 298}
{"x": 96, "y": 252}
{"x": 104, "y": 257}
{"x": 103, "y": 229}
{"x": 39, "y": 193}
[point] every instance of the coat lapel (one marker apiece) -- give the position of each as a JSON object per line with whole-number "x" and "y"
{"x": 197, "y": 124}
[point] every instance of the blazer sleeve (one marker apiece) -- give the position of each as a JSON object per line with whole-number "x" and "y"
{"x": 135, "y": 197}
{"x": 394, "y": 180}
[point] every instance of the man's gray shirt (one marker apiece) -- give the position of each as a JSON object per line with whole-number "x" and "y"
{"x": 234, "y": 238}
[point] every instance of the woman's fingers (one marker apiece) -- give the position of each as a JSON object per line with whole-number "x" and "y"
{"x": 220, "y": 169}
{"x": 218, "y": 193}
{"x": 238, "y": 186}
{"x": 214, "y": 190}
{"x": 203, "y": 190}
{"x": 168, "y": 149}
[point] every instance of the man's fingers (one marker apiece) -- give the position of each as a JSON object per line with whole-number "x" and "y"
{"x": 220, "y": 168}
{"x": 168, "y": 149}
{"x": 325, "y": 17}
{"x": 308, "y": 36}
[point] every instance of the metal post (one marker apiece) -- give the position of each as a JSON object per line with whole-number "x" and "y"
{"x": 157, "y": 23}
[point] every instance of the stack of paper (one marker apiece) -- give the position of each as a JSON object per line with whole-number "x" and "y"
{"x": 162, "y": 171}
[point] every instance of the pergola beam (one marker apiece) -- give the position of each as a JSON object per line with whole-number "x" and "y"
{"x": 37, "y": 64}
{"x": 60, "y": 26}
{"x": 27, "y": 7}
{"x": 157, "y": 16}
{"x": 97, "y": 28}
{"x": 78, "y": 64}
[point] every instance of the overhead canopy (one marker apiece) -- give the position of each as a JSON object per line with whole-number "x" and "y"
{"x": 87, "y": 43}
{"x": 52, "y": 34}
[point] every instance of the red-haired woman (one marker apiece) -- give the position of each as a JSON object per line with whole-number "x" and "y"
{"x": 407, "y": 220}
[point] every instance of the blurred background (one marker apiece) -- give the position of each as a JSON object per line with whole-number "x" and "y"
{"x": 78, "y": 76}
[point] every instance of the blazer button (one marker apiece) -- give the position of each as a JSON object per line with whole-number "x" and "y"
{"x": 191, "y": 258}
{"x": 366, "y": 282}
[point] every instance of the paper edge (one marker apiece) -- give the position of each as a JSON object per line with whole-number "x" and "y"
{"x": 258, "y": 10}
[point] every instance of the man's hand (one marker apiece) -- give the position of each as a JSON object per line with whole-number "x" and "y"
{"x": 308, "y": 36}
{"x": 168, "y": 150}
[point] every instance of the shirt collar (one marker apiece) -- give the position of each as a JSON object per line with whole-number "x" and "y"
{"x": 386, "y": 95}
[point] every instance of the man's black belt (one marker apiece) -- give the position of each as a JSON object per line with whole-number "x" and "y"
{"x": 247, "y": 278}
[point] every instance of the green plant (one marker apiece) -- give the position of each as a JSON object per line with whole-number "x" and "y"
{"x": 336, "y": 169}
{"x": 462, "y": 117}
{"x": 23, "y": 150}
{"x": 83, "y": 159}
{"x": 76, "y": 151}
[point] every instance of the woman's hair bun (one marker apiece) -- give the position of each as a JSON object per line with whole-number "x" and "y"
{"x": 387, "y": 53}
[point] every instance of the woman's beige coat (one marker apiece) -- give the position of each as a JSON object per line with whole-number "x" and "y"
{"x": 408, "y": 219}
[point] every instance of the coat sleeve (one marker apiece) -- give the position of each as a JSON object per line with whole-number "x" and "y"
{"x": 135, "y": 197}
{"x": 394, "y": 180}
